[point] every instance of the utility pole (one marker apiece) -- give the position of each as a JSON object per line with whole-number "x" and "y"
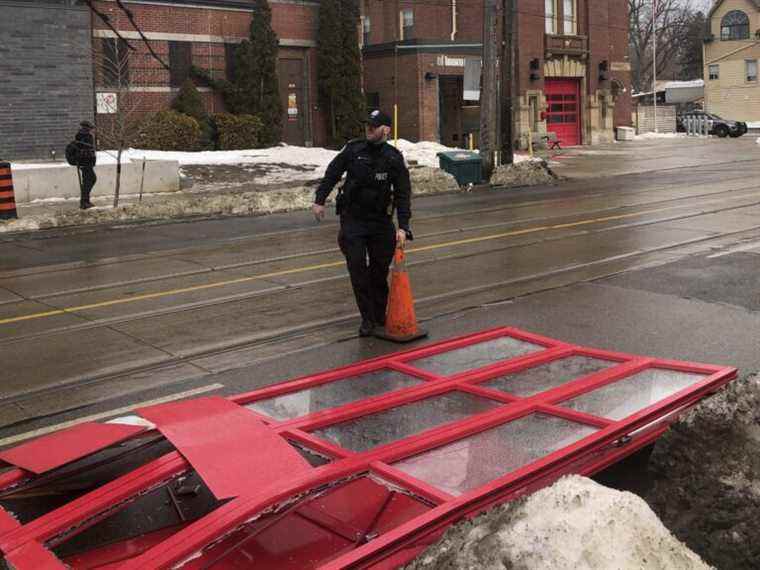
{"x": 654, "y": 61}
{"x": 508, "y": 66}
{"x": 488, "y": 88}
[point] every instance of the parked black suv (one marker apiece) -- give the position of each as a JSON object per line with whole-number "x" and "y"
{"x": 718, "y": 126}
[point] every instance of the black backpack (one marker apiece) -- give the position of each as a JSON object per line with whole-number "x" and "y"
{"x": 73, "y": 153}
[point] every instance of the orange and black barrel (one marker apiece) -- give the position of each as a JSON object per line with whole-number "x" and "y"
{"x": 7, "y": 199}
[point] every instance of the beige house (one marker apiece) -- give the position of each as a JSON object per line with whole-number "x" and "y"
{"x": 731, "y": 56}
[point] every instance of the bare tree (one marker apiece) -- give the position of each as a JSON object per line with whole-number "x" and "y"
{"x": 672, "y": 18}
{"x": 121, "y": 121}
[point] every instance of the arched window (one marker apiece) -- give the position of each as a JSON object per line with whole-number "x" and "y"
{"x": 734, "y": 26}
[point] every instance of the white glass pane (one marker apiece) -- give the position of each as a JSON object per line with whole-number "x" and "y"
{"x": 397, "y": 423}
{"x": 629, "y": 395}
{"x": 474, "y": 461}
{"x": 333, "y": 394}
{"x": 547, "y": 376}
{"x": 475, "y": 355}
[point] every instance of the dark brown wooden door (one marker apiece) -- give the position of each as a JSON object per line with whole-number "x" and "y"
{"x": 451, "y": 95}
{"x": 294, "y": 102}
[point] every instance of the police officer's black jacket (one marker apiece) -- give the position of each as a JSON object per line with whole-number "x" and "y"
{"x": 377, "y": 181}
{"x": 86, "y": 144}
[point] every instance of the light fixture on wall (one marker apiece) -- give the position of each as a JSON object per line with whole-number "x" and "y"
{"x": 604, "y": 73}
{"x": 429, "y": 76}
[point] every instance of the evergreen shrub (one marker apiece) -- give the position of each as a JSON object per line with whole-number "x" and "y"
{"x": 237, "y": 132}
{"x": 169, "y": 130}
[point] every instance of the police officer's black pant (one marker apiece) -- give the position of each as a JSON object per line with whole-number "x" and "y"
{"x": 88, "y": 181}
{"x": 368, "y": 246}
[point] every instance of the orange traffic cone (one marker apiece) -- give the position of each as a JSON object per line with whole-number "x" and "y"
{"x": 400, "y": 320}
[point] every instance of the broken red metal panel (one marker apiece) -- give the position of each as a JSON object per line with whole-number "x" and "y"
{"x": 62, "y": 447}
{"x": 7, "y": 522}
{"x": 112, "y": 555}
{"x": 233, "y": 452}
{"x": 33, "y": 555}
{"x": 401, "y": 538}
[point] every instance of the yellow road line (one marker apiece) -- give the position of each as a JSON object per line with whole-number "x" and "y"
{"x": 308, "y": 268}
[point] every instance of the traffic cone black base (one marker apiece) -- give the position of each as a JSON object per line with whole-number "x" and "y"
{"x": 382, "y": 334}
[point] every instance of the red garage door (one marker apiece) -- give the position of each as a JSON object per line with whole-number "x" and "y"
{"x": 563, "y": 115}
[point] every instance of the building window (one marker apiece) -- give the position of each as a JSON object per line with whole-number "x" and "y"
{"x": 229, "y": 60}
{"x": 750, "y": 70}
{"x": 713, "y": 71}
{"x": 734, "y": 26}
{"x": 115, "y": 62}
{"x": 180, "y": 61}
{"x": 550, "y": 7}
{"x": 366, "y": 29}
{"x": 570, "y": 18}
{"x": 407, "y": 24}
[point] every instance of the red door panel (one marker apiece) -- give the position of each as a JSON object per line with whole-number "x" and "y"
{"x": 563, "y": 115}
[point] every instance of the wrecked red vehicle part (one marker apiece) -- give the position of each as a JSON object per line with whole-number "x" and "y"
{"x": 361, "y": 466}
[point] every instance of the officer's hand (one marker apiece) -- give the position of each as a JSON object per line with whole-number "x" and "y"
{"x": 319, "y": 212}
{"x": 400, "y": 238}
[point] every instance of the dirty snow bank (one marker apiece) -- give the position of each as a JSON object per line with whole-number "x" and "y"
{"x": 181, "y": 204}
{"x": 575, "y": 523}
{"x": 707, "y": 476}
{"x": 525, "y": 173}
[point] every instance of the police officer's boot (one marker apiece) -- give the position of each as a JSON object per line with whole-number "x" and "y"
{"x": 366, "y": 328}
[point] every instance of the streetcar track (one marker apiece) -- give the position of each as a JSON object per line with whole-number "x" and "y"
{"x": 290, "y": 232}
{"x": 286, "y": 333}
{"x": 286, "y": 288}
{"x": 185, "y": 254}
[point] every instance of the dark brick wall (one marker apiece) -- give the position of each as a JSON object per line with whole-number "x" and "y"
{"x": 45, "y": 76}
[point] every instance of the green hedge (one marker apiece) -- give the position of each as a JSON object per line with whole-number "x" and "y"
{"x": 235, "y": 132}
{"x": 169, "y": 130}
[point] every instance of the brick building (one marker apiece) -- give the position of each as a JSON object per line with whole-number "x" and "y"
{"x": 573, "y": 74}
{"x": 205, "y": 34}
{"x": 46, "y": 70}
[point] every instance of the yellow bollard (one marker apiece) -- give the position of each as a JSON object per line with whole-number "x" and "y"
{"x": 395, "y": 123}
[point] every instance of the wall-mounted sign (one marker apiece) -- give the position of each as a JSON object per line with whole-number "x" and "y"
{"x": 292, "y": 107}
{"x": 107, "y": 103}
{"x": 620, "y": 66}
{"x": 446, "y": 61}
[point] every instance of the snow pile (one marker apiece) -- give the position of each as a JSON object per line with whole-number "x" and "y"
{"x": 575, "y": 523}
{"x": 525, "y": 173}
{"x": 707, "y": 476}
{"x": 650, "y": 136}
{"x": 279, "y": 164}
{"x": 425, "y": 180}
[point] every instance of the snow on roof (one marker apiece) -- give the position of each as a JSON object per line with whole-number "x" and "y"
{"x": 685, "y": 84}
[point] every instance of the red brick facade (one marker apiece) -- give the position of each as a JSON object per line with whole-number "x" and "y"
{"x": 422, "y": 73}
{"x": 592, "y": 52}
{"x": 211, "y": 29}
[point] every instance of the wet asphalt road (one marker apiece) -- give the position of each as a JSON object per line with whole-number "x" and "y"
{"x": 661, "y": 259}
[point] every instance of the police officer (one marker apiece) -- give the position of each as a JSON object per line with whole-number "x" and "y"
{"x": 377, "y": 183}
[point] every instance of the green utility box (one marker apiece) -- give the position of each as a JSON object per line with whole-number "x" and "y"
{"x": 464, "y": 165}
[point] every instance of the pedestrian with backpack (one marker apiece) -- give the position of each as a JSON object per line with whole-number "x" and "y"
{"x": 81, "y": 153}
